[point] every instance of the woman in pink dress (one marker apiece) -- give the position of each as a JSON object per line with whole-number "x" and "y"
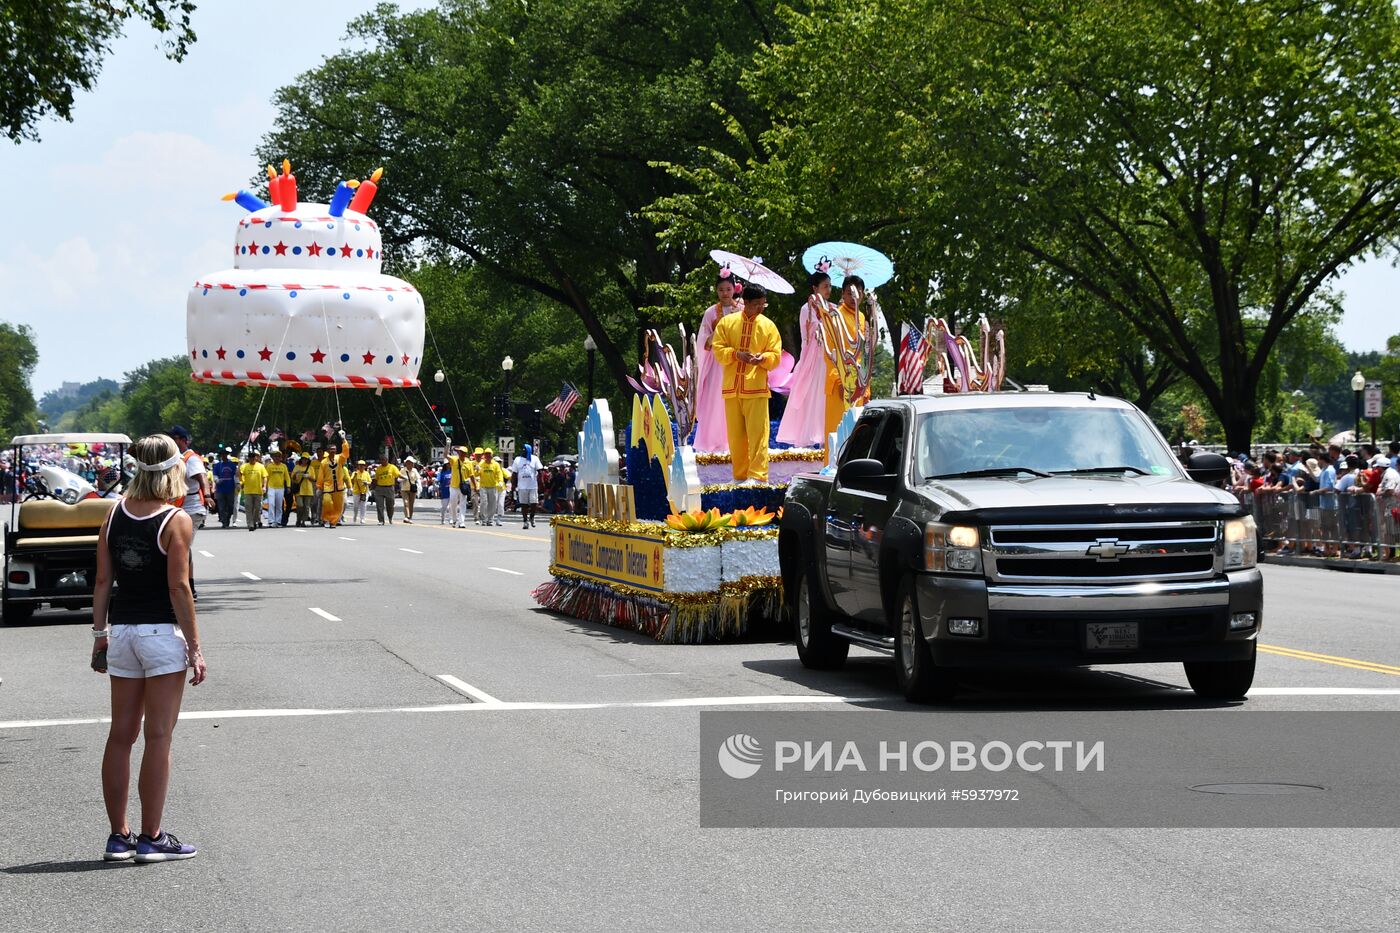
{"x": 711, "y": 432}
{"x": 804, "y": 419}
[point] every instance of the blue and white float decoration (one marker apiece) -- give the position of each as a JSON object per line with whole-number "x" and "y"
{"x": 305, "y": 304}
{"x": 598, "y": 460}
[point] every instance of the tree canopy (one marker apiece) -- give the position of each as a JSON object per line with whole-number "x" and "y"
{"x": 49, "y": 49}
{"x": 18, "y": 357}
{"x": 1199, "y": 172}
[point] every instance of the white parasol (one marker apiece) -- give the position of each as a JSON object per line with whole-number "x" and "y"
{"x": 752, "y": 270}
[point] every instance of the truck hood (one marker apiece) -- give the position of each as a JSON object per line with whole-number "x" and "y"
{"x": 1066, "y": 497}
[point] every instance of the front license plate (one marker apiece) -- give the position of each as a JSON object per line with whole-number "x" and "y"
{"x": 1111, "y": 636}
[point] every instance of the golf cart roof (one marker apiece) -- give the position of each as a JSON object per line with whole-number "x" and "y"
{"x": 34, "y": 440}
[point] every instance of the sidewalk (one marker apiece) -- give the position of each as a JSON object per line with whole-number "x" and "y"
{"x": 1332, "y": 563}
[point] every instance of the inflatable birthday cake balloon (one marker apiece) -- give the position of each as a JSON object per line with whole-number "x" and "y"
{"x": 305, "y": 304}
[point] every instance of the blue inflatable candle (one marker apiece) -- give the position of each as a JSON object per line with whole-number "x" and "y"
{"x": 341, "y": 199}
{"x": 249, "y": 202}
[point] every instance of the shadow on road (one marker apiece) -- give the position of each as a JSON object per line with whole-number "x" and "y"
{"x": 997, "y": 691}
{"x": 63, "y": 868}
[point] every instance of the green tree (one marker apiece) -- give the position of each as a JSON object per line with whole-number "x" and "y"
{"x": 1201, "y": 171}
{"x": 49, "y": 49}
{"x": 18, "y": 357}
{"x": 524, "y": 137}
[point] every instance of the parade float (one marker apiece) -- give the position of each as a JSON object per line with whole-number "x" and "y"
{"x": 680, "y": 551}
{"x": 305, "y": 304}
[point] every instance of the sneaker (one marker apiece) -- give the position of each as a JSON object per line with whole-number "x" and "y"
{"x": 119, "y": 847}
{"x": 163, "y": 848}
{"x": 408, "y": 521}
{"x": 500, "y": 524}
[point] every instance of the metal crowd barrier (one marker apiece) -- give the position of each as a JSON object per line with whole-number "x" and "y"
{"x": 1348, "y": 525}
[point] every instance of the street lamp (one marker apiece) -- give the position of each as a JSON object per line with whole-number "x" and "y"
{"x": 1358, "y": 384}
{"x": 439, "y": 376}
{"x": 591, "y": 347}
{"x": 507, "y": 365}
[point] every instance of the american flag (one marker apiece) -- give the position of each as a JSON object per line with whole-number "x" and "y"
{"x": 913, "y": 356}
{"x": 559, "y": 408}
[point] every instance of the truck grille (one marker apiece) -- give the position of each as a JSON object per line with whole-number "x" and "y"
{"x": 1103, "y": 553}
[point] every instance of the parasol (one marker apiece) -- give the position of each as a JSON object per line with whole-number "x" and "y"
{"x": 752, "y": 270}
{"x": 850, "y": 259}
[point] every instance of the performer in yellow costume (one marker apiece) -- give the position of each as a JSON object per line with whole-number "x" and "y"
{"x": 748, "y": 346}
{"x": 332, "y": 479}
{"x": 841, "y": 328}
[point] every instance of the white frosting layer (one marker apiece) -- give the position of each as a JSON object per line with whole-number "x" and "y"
{"x": 308, "y": 238}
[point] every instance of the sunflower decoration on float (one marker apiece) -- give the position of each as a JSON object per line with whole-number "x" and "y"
{"x": 697, "y": 521}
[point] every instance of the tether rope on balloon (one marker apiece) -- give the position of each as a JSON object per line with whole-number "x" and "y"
{"x": 258, "y": 414}
{"x": 446, "y": 378}
{"x": 426, "y": 401}
{"x": 335, "y": 382}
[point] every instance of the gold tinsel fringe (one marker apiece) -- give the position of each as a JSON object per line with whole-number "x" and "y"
{"x": 774, "y": 456}
{"x": 668, "y": 537}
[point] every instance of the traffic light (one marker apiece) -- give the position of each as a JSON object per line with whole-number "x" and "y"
{"x": 500, "y": 407}
{"x": 535, "y": 423}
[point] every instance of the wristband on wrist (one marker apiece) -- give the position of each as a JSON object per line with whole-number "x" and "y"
{"x": 99, "y": 633}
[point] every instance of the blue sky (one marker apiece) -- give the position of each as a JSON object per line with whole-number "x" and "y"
{"x": 114, "y": 215}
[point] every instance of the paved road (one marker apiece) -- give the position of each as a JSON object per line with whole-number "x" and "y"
{"x": 393, "y": 735}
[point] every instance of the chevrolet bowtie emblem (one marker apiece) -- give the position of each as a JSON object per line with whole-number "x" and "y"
{"x": 1107, "y": 549}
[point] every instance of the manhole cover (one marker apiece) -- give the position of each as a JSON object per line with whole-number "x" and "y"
{"x": 1256, "y": 788}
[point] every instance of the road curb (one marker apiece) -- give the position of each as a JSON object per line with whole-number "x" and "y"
{"x": 1332, "y": 563}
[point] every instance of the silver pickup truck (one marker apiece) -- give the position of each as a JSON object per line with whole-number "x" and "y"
{"x": 1020, "y": 530}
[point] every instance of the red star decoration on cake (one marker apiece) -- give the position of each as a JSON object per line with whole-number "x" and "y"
{"x": 405, "y": 360}
{"x": 281, "y": 248}
{"x": 265, "y": 354}
{"x": 314, "y": 249}
{"x": 318, "y": 356}
{"x": 252, "y": 248}
{"x": 194, "y": 353}
{"x": 369, "y": 253}
{"x": 368, "y": 358}
{"x": 345, "y": 251}
{"x": 222, "y": 352}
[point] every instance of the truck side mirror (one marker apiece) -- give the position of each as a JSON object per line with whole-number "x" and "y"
{"x": 1209, "y": 468}
{"x": 863, "y": 474}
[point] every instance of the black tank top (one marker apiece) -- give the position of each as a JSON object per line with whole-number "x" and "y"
{"x": 142, "y": 592}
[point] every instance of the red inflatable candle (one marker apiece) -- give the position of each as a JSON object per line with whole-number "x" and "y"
{"x": 364, "y": 195}
{"x": 274, "y": 186}
{"x": 287, "y": 188}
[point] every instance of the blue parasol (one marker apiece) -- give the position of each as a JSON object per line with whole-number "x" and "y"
{"x": 850, "y": 259}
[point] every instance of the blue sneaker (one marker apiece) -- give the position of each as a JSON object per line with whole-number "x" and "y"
{"x": 119, "y": 847}
{"x": 163, "y": 848}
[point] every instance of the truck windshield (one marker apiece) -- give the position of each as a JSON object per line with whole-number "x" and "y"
{"x": 1001, "y": 441}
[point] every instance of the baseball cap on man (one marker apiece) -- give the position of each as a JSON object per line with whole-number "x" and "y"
{"x": 478, "y": 452}
{"x": 178, "y": 431}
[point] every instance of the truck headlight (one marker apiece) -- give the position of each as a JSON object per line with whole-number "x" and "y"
{"x": 1241, "y": 543}
{"x": 952, "y": 548}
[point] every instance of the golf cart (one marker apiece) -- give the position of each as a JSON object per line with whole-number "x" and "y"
{"x": 51, "y": 534}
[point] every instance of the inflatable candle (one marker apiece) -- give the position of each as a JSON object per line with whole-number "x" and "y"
{"x": 305, "y": 304}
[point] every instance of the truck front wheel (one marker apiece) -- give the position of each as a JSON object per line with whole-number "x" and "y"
{"x": 817, "y": 647}
{"x": 919, "y": 677}
{"x": 1221, "y": 680}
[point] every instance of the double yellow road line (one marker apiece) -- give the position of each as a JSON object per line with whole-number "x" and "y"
{"x": 1374, "y": 667}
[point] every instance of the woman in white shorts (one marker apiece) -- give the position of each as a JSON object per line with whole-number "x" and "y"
{"x": 145, "y": 637}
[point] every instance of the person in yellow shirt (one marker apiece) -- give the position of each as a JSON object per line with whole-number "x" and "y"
{"x": 360, "y": 482}
{"x": 841, "y": 330}
{"x": 304, "y": 485}
{"x": 492, "y": 477}
{"x": 478, "y": 500}
{"x": 331, "y": 479}
{"x": 459, "y": 493}
{"x": 386, "y": 484}
{"x": 278, "y": 479}
{"x": 252, "y": 477}
{"x": 747, "y": 344}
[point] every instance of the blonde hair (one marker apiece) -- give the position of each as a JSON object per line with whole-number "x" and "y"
{"x": 163, "y": 486}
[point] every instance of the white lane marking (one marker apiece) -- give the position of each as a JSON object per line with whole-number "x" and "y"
{"x": 410, "y": 550}
{"x": 205, "y": 554}
{"x": 463, "y": 687}
{"x": 325, "y": 615}
{"x": 515, "y": 573}
{"x": 1324, "y": 691}
{"x": 483, "y": 706}
{"x": 343, "y": 538}
{"x": 643, "y": 674}
{"x": 250, "y": 576}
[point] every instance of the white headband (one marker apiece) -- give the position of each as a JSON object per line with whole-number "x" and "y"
{"x": 162, "y": 466}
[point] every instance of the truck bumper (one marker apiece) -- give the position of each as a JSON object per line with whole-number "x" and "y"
{"x": 1046, "y": 626}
